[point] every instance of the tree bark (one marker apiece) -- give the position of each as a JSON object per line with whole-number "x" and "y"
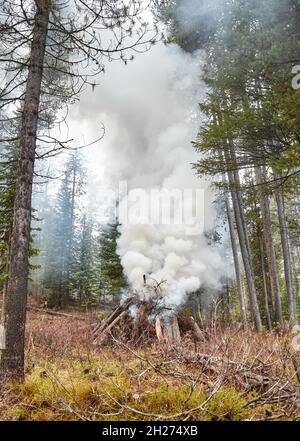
{"x": 12, "y": 361}
{"x": 233, "y": 179}
{"x": 265, "y": 287}
{"x": 198, "y": 335}
{"x": 269, "y": 245}
{"x": 236, "y": 262}
{"x": 286, "y": 258}
{"x": 171, "y": 330}
{"x": 66, "y": 294}
{"x": 158, "y": 330}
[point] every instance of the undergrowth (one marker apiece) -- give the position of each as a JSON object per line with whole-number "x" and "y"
{"x": 67, "y": 378}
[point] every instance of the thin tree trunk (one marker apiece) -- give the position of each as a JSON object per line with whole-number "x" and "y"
{"x": 286, "y": 258}
{"x": 293, "y": 251}
{"x": 71, "y": 232}
{"x": 236, "y": 262}
{"x": 244, "y": 246}
{"x": 12, "y": 362}
{"x": 266, "y": 296}
{"x": 269, "y": 245}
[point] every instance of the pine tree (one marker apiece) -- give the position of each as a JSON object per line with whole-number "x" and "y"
{"x": 250, "y": 121}
{"x": 60, "y": 251}
{"x": 111, "y": 277}
{"x": 83, "y": 277}
{"x": 7, "y": 197}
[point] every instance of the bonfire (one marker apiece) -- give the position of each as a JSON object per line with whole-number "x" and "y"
{"x": 148, "y": 308}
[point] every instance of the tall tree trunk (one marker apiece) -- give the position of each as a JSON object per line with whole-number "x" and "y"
{"x": 245, "y": 247}
{"x": 12, "y": 361}
{"x": 293, "y": 251}
{"x": 236, "y": 261}
{"x": 66, "y": 294}
{"x": 265, "y": 285}
{"x": 260, "y": 174}
{"x": 285, "y": 243}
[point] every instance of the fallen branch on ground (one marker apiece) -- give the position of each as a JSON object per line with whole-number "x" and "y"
{"x": 56, "y": 313}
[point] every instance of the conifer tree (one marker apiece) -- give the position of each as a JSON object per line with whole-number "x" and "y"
{"x": 60, "y": 254}
{"x": 111, "y": 276}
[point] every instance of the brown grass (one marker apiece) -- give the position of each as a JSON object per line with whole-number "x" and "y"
{"x": 67, "y": 377}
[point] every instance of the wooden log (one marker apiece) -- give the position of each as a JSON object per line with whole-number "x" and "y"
{"x": 171, "y": 330}
{"x": 140, "y": 322}
{"x": 167, "y": 331}
{"x": 100, "y": 337}
{"x": 55, "y": 313}
{"x": 175, "y": 329}
{"x": 196, "y": 331}
{"x": 115, "y": 313}
{"x": 158, "y": 329}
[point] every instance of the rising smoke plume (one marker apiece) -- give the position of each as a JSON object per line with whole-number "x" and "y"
{"x": 150, "y": 112}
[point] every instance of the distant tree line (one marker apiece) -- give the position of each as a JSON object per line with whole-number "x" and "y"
{"x": 78, "y": 262}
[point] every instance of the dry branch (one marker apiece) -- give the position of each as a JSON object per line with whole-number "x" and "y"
{"x": 167, "y": 328}
{"x": 101, "y": 336}
{"x": 108, "y": 323}
{"x": 249, "y": 377}
{"x": 56, "y": 313}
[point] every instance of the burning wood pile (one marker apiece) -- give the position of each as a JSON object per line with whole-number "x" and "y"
{"x": 148, "y": 311}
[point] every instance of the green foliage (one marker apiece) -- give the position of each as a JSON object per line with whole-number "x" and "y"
{"x": 191, "y": 25}
{"x": 83, "y": 279}
{"x": 7, "y": 197}
{"x": 65, "y": 389}
{"x": 227, "y": 405}
{"x": 79, "y": 262}
{"x": 8, "y": 171}
{"x": 251, "y": 101}
{"x": 250, "y": 113}
{"x": 112, "y": 279}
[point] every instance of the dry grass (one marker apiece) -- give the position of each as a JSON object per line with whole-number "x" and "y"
{"x": 68, "y": 378}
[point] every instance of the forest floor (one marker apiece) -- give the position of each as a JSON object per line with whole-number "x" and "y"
{"x": 234, "y": 375}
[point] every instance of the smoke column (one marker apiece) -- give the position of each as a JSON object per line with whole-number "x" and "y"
{"x": 166, "y": 121}
{"x": 150, "y": 112}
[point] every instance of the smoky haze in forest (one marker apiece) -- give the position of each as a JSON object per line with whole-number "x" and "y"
{"x": 149, "y": 109}
{"x": 191, "y": 13}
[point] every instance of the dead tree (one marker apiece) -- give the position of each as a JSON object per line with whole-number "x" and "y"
{"x": 167, "y": 330}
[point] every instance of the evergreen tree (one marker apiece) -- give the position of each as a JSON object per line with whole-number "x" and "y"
{"x": 60, "y": 254}
{"x": 111, "y": 277}
{"x": 250, "y": 124}
{"x": 7, "y": 197}
{"x": 83, "y": 278}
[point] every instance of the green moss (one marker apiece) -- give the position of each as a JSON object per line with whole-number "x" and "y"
{"x": 38, "y": 389}
{"x": 19, "y": 413}
{"x": 226, "y": 405}
{"x": 171, "y": 399}
{"x": 65, "y": 389}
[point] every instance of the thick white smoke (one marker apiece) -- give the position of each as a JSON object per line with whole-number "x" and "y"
{"x": 150, "y": 112}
